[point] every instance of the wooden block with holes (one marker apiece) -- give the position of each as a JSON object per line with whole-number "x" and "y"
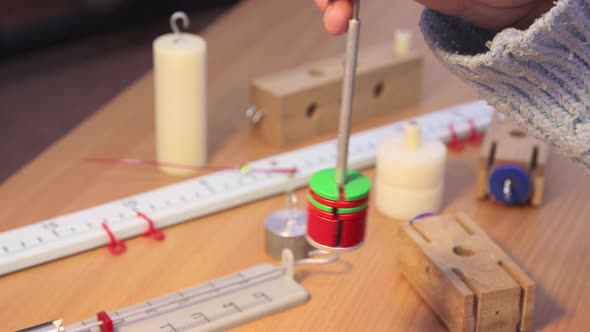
{"x": 303, "y": 102}
{"x": 466, "y": 278}
{"x": 507, "y": 144}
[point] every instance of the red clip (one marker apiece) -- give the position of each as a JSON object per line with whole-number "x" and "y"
{"x": 455, "y": 143}
{"x": 152, "y": 231}
{"x": 475, "y": 138}
{"x": 107, "y": 322}
{"x": 116, "y": 247}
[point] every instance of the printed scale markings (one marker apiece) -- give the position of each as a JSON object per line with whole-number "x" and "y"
{"x": 79, "y": 231}
{"x": 218, "y": 304}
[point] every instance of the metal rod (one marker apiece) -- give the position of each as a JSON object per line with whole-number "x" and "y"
{"x": 350, "y": 59}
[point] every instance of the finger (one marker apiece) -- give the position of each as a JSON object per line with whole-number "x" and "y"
{"x": 322, "y": 4}
{"x": 337, "y": 15}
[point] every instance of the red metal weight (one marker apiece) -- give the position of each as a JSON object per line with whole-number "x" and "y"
{"x": 353, "y": 232}
{"x": 325, "y": 231}
{"x": 322, "y": 230}
{"x": 337, "y": 204}
{"x": 348, "y": 216}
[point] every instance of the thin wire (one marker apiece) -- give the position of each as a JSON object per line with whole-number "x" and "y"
{"x": 140, "y": 162}
{"x": 421, "y": 216}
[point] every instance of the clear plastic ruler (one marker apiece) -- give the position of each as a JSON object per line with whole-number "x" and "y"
{"x": 213, "y": 306}
{"x": 79, "y": 231}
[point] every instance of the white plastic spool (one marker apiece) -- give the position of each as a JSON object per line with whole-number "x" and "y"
{"x": 410, "y": 174}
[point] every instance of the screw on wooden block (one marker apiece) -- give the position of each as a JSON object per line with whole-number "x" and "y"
{"x": 455, "y": 143}
{"x": 254, "y": 115}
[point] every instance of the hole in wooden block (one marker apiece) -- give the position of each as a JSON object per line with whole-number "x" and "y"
{"x": 516, "y": 133}
{"x": 378, "y": 89}
{"x": 315, "y": 72}
{"x": 463, "y": 251}
{"x": 311, "y": 110}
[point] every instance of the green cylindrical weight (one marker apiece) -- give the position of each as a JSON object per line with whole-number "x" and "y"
{"x": 356, "y": 187}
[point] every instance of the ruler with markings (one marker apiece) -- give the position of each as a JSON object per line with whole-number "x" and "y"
{"x": 213, "y": 306}
{"x": 79, "y": 231}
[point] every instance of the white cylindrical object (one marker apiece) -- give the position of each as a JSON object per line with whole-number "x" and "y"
{"x": 421, "y": 168}
{"x": 180, "y": 100}
{"x": 402, "y": 42}
{"x": 404, "y": 204}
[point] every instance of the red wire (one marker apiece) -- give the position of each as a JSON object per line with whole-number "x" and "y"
{"x": 152, "y": 231}
{"x": 455, "y": 143}
{"x": 116, "y": 247}
{"x": 107, "y": 322}
{"x": 475, "y": 138}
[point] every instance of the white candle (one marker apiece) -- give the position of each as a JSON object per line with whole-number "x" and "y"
{"x": 180, "y": 100}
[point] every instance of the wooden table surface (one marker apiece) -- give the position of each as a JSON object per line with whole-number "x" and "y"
{"x": 362, "y": 292}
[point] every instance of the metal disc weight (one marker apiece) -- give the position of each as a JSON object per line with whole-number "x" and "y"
{"x": 286, "y": 229}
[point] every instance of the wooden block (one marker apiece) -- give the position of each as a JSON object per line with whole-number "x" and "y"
{"x": 467, "y": 279}
{"x": 303, "y": 102}
{"x": 506, "y": 143}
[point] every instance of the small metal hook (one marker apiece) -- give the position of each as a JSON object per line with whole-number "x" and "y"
{"x": 293, "y": 206}
{"x": 288, "y": 263}
{"x": 173, "y": 22}
{"x": 292, "y": 201}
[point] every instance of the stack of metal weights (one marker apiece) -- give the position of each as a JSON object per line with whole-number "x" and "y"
{"x": 337, "y": 217}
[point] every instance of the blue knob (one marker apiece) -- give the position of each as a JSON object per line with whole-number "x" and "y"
{"x": 510, "y": 184}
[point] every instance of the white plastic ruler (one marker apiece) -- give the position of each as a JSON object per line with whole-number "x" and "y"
{"x": 79, "y": 231}
{"x": 213, "y": 306}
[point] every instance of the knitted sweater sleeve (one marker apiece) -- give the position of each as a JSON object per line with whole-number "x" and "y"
{"x": 539, "y": 77}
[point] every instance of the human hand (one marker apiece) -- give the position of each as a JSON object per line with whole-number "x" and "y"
{"x": 488, "y": 14}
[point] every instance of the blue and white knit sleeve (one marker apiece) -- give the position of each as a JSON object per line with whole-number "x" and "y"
{"x": 540, "y": 77}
